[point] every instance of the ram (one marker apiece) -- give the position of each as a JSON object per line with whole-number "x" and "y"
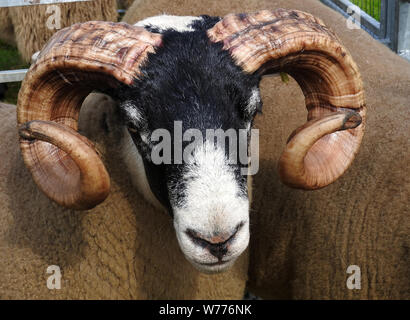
{"x": 204, "y": 73}
{"x": 204, "y": 78}
{"x": 302, "y": 243}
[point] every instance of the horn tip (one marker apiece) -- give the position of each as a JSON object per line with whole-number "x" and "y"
{"x": 25, "y": 131}
{"x": 351, "y": 121}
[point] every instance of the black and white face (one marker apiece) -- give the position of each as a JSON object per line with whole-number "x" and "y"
{"x": 190, "y": 88}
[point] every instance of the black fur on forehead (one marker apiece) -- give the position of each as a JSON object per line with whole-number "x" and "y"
{"x": 188, "y": 79}
{"x": 205, "y": 23}
{"x": 192, "y": 79}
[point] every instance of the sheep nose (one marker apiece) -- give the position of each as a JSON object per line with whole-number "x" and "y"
{"x": 217, "y": 245}
{"x": 218, "y": 250}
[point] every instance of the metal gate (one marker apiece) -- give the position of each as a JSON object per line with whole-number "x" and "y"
{"x": 385, "y": 29}
{"x": 18, "y": 75}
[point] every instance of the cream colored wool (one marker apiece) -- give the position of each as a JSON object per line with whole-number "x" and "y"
{"x": 6, "y": 27}
{"x": 122, "y": 249}
{"x": 29, "y": 23}
{"x": 303, "y": 242}
{"x": 125, "y": 4}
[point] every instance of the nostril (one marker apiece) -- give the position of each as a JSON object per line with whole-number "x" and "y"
{"x": 218, "y": 250}
{"x": 218, "y": 244}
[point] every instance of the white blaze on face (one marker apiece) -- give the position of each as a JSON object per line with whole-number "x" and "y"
{"x": 165, "y": 22}
{"x": 212, "y": 206}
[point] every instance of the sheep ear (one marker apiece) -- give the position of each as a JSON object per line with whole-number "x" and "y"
{"x": 300, "y": 45}
{"x": 77, "y": 60}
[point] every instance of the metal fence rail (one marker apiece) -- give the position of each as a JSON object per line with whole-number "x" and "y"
{"x": 19, "y": 3}
{"x": 389, "y": 23}
{"x": 385, "y": 30}
{"x": 18, "y": 75}
{"x": 12, "y": 75}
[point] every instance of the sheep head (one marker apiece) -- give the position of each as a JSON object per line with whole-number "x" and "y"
{"x": 207, "y": 79}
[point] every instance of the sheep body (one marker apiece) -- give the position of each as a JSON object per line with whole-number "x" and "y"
{"x": 6, "y": 27}
{"x": 125, "y": 4}
{"x": 303, "y": 242}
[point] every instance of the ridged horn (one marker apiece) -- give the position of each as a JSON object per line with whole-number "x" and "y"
{"x": 76, "y": 60}
{"x": 299, "y": 44}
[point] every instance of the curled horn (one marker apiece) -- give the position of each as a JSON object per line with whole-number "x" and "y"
{"x": 76, "y": 60}
{"x": 299, "y": 44}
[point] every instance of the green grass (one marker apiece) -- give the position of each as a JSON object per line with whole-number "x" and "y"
{"x": 371, "y": 7}
{"x": 10, "y": 60}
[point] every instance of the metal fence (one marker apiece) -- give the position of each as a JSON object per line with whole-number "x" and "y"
{"x": 18, "y": 75}
{"x": 19, "y": 3}
{"x": 385, "y": 29}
